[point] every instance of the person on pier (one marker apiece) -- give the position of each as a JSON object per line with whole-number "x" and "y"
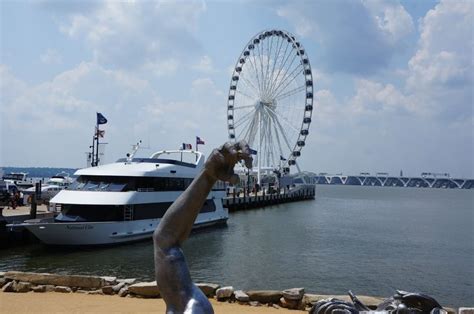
{"x": 171, "y": 271}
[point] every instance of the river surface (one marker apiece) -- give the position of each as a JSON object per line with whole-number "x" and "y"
{"x": 371, "y": 240}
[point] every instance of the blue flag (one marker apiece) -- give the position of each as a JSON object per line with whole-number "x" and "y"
{"x": 252, "y": 151}
{"x": 101, "y": 119}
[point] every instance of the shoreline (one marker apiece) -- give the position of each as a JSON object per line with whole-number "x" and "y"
{"x": 74, "y": 293}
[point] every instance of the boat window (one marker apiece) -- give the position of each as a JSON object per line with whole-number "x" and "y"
{"x": 141, "y": 184}
{"x": 150, "y": 211}
{"x": 76, "y": 212}
{"x": 95, "y": 213}
{"x": 15, "y": 176}
{"x": 209, "y": 206}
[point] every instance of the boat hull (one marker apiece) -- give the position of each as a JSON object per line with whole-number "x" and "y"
{"x": 105, "y": 233}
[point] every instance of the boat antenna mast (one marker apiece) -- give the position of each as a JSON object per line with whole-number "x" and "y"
{"x": 135, "y": 148}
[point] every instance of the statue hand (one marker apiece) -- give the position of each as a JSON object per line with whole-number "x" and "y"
{"x": 221, "y": 162}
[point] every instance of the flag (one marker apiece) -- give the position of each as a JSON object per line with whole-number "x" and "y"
{"x": 252, "y": 151}
{"x": 282, "y": 158}
{"x": 187, "y": 146}
{"x": 199, "y": 141}
{"x": 100, "y": 133}
{"x": 101, "y": 119}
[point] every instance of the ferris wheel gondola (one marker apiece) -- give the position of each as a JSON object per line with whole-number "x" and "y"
{"x": 270, "y": 100}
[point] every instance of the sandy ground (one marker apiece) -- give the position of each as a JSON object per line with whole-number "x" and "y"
{"x": 80, "y": 303}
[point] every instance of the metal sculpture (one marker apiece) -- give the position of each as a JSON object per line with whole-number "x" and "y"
{"x": 401, "y": 302}
{"x": 171, "y": 271}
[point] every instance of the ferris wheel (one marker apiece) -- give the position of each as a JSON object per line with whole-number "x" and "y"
{"x": 270, "y": 100}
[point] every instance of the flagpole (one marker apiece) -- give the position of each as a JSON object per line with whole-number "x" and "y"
{"x": 197, "y": 148}
{"x": 97, "y": 144}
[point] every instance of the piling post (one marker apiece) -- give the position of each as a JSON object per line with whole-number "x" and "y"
{"x": 33, "y": 201}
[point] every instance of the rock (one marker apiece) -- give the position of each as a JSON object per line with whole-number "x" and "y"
{"x": 39, "y": 288}
{"x": 109, "y": 290}
{"x": 49, "y": 288}
{"x": 2, "y": 273}
{"x": 82, "y": 291}
{"x": 62, "y": 289}
{"x": 21, "y": 286}
{"x": 110, "y": 281}
{"x": 123, "y": 292}
{"x": 224, "y": 293}
{"x": 118, "y": 286}
{"x": 241, "y": 296}
{"x": 466, "y": 310}
{"x": 145, "y": 289}
{"x": 57, "y": 280}
{"x": 129, "y": 281}
{"x": 311, "y": 299}
{"x": 291, "y": 304}
{"x": 209, "y": 289}
{"x": 265, "y": 296}
{"x": 254, "y": 303}
{"x": 95, "y": 292}
{"x": 8, "y": 287}
{"x": 3, "y": 281}
{"x": 293, "y": 294}
{"x": 276, "y": 306}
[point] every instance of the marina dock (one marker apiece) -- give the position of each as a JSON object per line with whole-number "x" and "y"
{"x": 297, "y": 193}
{"x": 13, "y": 236}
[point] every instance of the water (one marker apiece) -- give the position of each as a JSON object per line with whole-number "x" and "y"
{"x": 368, "y": 239}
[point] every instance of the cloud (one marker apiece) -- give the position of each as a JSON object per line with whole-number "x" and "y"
{"x": 63, "y": 110}
{"x": 161, "y": 68}
{"x": 205, "y": 86}
{"x": 440, "y": 74}
{"x": 204, "y": 65}
{"x": 51, "y": 56}
{"x": 132, "y": 34}
{"x": 357, "y": 37}
{"x": 391, "y": 18}
{"x": 10, "y": 86}
{"x": 372, "y": 98}
{"x": 74, "y": 93}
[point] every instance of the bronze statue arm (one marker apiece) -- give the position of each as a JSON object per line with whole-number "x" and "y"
{"x": 172, "y": 274}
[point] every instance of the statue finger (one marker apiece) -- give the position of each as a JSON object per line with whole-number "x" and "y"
{"x": 244, "y": 153}
{"x": 234, "y": 179}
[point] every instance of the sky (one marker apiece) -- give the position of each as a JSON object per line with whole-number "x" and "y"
{"x": 393, "y": 79}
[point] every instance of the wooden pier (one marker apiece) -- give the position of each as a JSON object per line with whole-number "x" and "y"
{"x": 19, "y": 235}
{"x": 294, "y": 194}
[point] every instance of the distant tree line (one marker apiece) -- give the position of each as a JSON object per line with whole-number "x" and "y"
{"x": 39, "y": 172}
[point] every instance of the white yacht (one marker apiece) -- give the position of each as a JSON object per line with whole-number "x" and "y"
{"x": 124, "y": 201}
{"x": 20, "y": 179}
{"x": 50, "y": 188}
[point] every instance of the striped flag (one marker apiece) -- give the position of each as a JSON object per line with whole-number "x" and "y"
{"x": 199, "y": 141}
{"x": 187, "y": 146}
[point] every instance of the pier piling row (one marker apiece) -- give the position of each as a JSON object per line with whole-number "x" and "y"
{"x": 299, "y": 193}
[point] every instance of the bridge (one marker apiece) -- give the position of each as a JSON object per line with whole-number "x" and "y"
{"x": 426, "y": 180}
